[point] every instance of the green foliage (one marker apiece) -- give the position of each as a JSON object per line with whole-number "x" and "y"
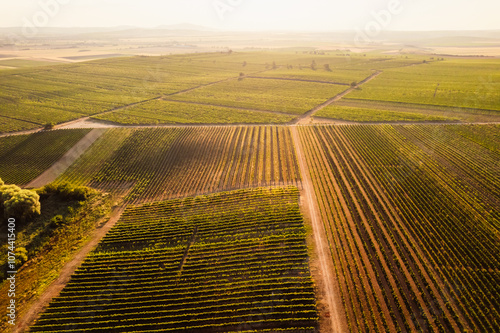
{"x": 65, "y": 191}
{"x": 21, "y": 256}
{"x": 21, "y": 204}
{"x": 56, "y": 221}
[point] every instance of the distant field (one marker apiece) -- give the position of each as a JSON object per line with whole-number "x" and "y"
{"x": 168, "y": 112}
{"x": 285, "y": 82}
{"x": 24, "y": 157}
{"x": 23, "y": 63}
{"x": 292, "y": 97}
{"x": 162, "y": 163}
{"x": 358, "y": 114}
{"x": 229, "y": 262}
{"x": 94, "y": 56}
{"x": 468, "y": 83}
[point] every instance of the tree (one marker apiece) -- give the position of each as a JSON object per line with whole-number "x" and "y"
{"x": 274, "y": 65}
{"x": 244, "y": 63}
{"x": 313, "y": 65}
{"x": 17, "y": 202}
{"x": 327, "y": 67}
{"x": 23, "y": 204}
{"x": 354, "y": 84}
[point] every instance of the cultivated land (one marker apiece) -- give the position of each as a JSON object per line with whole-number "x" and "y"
{"x": 229, "y": 262}
{"x": 404, "y": 219}
{"x": 411, "y": 214}
{"x": 155, "y": 164}
{"x": 251, "y": 87}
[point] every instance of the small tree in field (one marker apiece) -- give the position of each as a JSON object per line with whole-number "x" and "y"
{"x": 354, "y": 84}
{"x": 327, "y": 67}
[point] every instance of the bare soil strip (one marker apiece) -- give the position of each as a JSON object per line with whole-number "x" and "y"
{"x": 306, "y": 117}
{"x": 55, "y": 287}
{"x": 64, "y": 162}
{"x": 337, "y": 318}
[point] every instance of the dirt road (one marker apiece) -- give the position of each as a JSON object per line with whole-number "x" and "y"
{"x": 64, "y": 162}
{"x": 338, "y": 322}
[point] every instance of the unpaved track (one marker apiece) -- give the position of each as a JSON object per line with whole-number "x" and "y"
{"x": 55, "y": 287}
{"x": 306, "y": 117}
{"x": 64, "y": 162}
{"x": 338, "y": 321}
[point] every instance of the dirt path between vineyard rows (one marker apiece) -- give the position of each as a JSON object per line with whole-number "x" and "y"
{"x": 324, "y": 276}
{"x": 58, "y": 285}
{"x": 58, "y": 168}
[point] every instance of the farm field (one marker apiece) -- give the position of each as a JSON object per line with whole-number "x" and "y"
{"x": 61, "y": 93}
{"x": 24, "y": 157}
{"x": 206, "y": 155}
{"x": 358, "y": 110}
{"x": 129, "y": 90}
{"x": 168, "y": 112}
{"x": 228, "y": 262}
{"x": 162, "y": 163}
{"x": 412, "y": 220}
{"x": 22, "y": 63}
{"x": 294, "y": 97}
{"x": 360, "y": 114}
{"x": 469, "y": 83}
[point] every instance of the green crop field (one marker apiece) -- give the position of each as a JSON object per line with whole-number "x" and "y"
{"x": 22, "y": 63}
{"x": 206, "y": 157}
{"x": 24, "y": 157}
{"x": 168, "y": 112}
{"x": 153, "y": 164}
{"x": 411, "y": 213}
{"x": 229, "y": 262}
{"x": 293, "y": 97}
{"x": 360, "y": 110}
{"x": 286, "y": 82}
{"x": 460, "y": 83}
{"x": 359, "y": 114}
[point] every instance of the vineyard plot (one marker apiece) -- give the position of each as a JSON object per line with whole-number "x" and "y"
{"x": 24, "y": 157}
{"x": 162, "y": 163}
{"x": 412, "y": 218}
{"x": 228, "y": 262}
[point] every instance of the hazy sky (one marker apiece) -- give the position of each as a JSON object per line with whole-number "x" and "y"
{"x": 322, "y": 15}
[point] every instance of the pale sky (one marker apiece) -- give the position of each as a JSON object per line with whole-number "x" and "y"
{"x": 299, "y": 15}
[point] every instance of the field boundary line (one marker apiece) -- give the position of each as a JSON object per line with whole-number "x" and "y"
{"x": 66, "y": 160}
{"x": 334, "y": 303}
{"x": 67, "y": 271}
